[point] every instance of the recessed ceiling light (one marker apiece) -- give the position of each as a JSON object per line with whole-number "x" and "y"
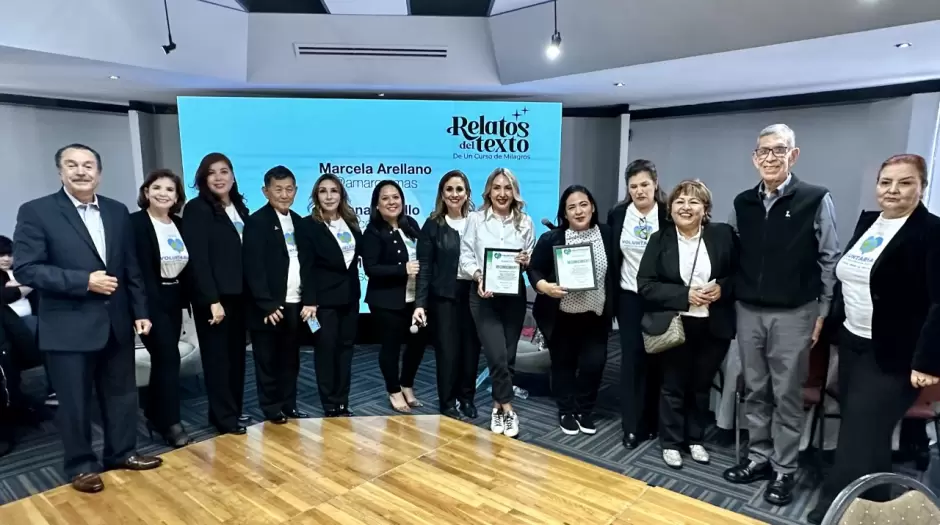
{"x": 618, "y": 84}
{"x": 114, "y": 77}
{"x": 903, "y": 45}
{"x": 381, "y": 94}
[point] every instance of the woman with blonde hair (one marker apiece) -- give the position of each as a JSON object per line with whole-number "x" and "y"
{"x": 501, "y": 224}
{"x": 685, "y": 277}
{"x": 443, "y": 292}
{"x": 333, "y": 232}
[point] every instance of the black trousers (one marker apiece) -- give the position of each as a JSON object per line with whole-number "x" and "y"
{"x": 222, "y": 348}
{"x": 111, "y": 372}
{"x": 334, "y": 352}
{"x": 873, "y": 401}
{"x": 640, "y": 373}
{"x": 578, "y": 348}
{"x": 457, "y": 346}
{"x": 499, "y": 321}
{"x": 162, "y": 406}
{"x": 276, "y": 350}
{"x": 395, "y": 325}
{"x": 688, "y": 371}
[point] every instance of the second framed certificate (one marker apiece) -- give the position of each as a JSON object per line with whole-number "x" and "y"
{"x": 574, "y": 267}
{"x": 501, "y": 272}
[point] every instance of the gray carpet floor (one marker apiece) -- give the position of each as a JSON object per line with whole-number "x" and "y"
{"x": 35, "y": 465}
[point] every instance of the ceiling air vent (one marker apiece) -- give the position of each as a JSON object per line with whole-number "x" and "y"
{"x": 369, "y": 51}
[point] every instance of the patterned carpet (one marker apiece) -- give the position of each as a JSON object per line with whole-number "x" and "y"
{"x": 35, "y": 465}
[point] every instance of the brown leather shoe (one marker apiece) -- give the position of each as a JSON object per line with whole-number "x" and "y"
{"x": 140, "y": 463}
{"x": 88, "y": 482}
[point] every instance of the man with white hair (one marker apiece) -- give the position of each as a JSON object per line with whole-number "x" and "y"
{"x": 789, "y": 251}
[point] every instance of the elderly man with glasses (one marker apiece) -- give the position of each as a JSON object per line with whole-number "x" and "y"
{"x": 789, "y": 251}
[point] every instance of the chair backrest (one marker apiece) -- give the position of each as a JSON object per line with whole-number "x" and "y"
{"x": 919, "y": 506}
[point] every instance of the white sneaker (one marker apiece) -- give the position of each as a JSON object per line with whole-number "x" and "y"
{"x": 496, "y": 422}
{"x": 672, "y": 458}
{"x": 510, "y": 424}
{"x": 699, "y": 454}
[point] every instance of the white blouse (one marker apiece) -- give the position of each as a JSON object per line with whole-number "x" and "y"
{"x": 702, "y": 266}
{"x": 485, "y": 230}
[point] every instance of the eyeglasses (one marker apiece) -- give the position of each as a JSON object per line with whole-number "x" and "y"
{"x": 643, "y": 231}
{"x": 778, "y": 151}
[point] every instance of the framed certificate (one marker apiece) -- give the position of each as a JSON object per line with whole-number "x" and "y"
{"x": 574, "y": 267}
{"x": 501, "y": 272}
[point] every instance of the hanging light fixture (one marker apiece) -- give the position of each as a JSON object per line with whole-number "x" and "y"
{"x": 553, "y": 50}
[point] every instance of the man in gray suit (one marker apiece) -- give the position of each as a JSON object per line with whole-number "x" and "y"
{"x": 76, "y": 250}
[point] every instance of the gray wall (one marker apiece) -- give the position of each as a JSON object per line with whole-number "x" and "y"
{"x": 590, "y": 155}
{"x": 841, "y": 148}
{"x": 29, "y": 138}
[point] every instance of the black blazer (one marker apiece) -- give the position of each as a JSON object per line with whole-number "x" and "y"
{"x": 266, "y": 263}
{"x": 148, "y": 257}
{"x": 439, "y": 255}
{"x": 54, "y": 254}
{"x": 663, "y": 291}
{"x": 10, "y": 294}
{"x": 215, "y": 252}
{"x": 905, "y": 295}
{"x": 383, "y": 258}
{"x": 334, "y": 285}
{"x": 615, "y": 218}
{"x": 542, "y": 266}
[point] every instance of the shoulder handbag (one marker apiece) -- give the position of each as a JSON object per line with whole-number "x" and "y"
{"x": 675, "y": 333}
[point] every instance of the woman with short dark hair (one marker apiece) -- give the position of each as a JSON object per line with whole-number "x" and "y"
{"x": 685, "y": 278}
{"x": 163, "y": 259}
{"x": 575, "y": 323}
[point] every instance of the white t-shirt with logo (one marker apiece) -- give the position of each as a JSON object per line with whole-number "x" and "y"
{"x": 412, "y": 248}
{"x": 173, "y": 253}
{"x": 854, "y": 271}
{"x": 236, "y": 219}
{"x": 636, "y": 233}
{"x": 344, "y": 238}
{"x": 293, "y": 267}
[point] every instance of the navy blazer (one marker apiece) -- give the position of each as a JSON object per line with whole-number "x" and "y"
{"x": 663, "y": 291}
{"x": 542, "y": 266}
{"x": 905, "y": 295}
{"x": 384, "y": 257}
{"x": 53, "y": 253}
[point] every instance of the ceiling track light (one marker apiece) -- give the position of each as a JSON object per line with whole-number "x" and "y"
{"x": 903, "y": 45}
{"x": 553, "y": 50}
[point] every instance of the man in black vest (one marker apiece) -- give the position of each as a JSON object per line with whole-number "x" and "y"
{"x": 789, "y": 251}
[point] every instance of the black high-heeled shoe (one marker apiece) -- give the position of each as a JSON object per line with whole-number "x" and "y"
{"x": 175, "y": 436}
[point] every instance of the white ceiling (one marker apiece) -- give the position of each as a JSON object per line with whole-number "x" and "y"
{"x": 860, "y": 59}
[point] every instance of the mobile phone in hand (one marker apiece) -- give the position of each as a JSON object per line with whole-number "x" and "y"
{"x": 313, "y": 324}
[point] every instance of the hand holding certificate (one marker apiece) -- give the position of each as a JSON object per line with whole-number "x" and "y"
{"x": 574, "y": 267}
{"x": 501, "y": 272}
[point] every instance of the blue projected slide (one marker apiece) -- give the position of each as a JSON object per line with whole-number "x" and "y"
{"x": 413, "y": 142}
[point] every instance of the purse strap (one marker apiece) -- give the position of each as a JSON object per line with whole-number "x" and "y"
{"x": 695, "y": 260}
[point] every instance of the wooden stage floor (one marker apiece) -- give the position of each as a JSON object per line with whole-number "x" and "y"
{"x": 403, "y": 470}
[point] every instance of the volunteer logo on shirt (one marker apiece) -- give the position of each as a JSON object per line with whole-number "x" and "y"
{"x": 176, "y": 244}
{"x": 344, "y": 237}
{"x": 871, "y": 244}
{"x": 642, "y": 231}
{"x": 289, "y": 238}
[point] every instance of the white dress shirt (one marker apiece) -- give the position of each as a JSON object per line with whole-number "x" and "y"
{"x": 854, "y": 270}
{"x": 636, "y": 233}
{"x": 702, "y": 264}
{"x": 485, "y": 229}
{"x": 91, "y": 216}
{"x": 460, "y": 226}
{"x": 293, "y": 266}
